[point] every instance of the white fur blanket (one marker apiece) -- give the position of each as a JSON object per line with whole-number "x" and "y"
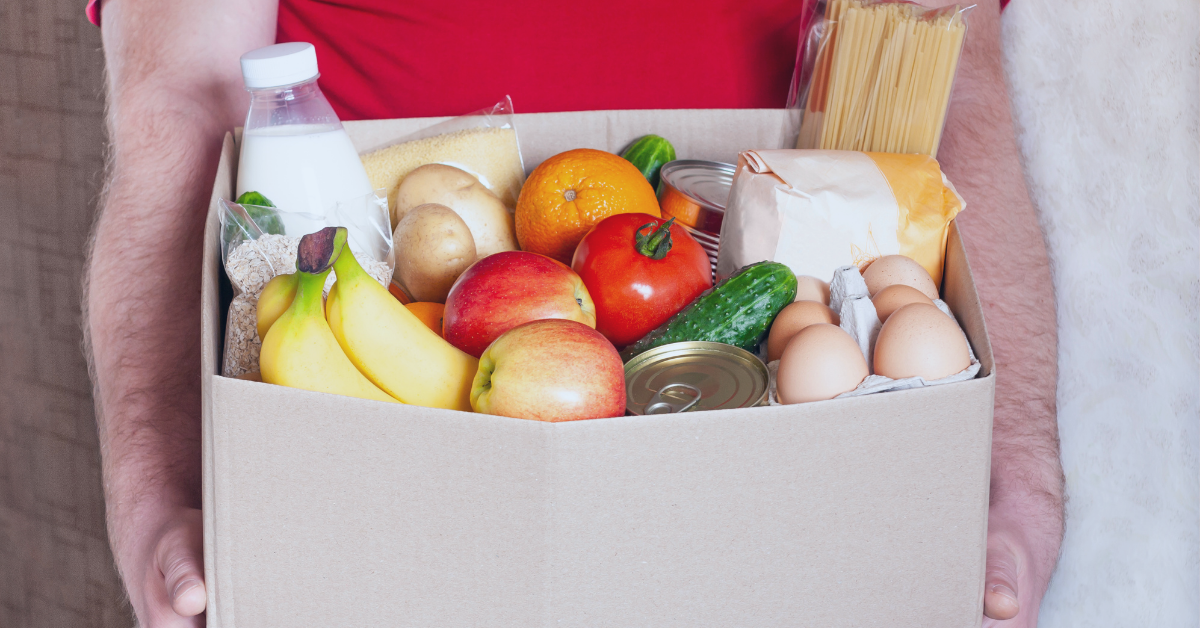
{"x": 1105, "y": 97}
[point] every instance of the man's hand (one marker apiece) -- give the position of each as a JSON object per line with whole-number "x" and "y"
{"x": 1007, "y": 585}
{"x": 170, "y": 568}
{"x": 174, "y": 90}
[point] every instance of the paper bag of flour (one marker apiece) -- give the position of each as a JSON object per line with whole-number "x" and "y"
{"x": 817, "y": 210}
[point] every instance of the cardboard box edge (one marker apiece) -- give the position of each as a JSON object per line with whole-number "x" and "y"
{"x": 210, "y": 348}
{"x": 962, "y": 294}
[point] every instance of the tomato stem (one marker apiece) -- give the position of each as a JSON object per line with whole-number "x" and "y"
{"x": 657, "y": 243}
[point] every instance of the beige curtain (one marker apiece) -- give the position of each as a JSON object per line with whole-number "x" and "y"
{"x": 55, "y": 565}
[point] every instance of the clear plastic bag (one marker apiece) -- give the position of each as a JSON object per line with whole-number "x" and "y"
{"x": 256, "y": 244}
{"x": 876, "y": 75}
{"x": 483, "y": 143}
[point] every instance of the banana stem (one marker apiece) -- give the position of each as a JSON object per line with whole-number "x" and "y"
{"x": 318, "y": 251}
{"x": 347, "y": 266}
{"x": 309, "y": 289}
{"x": 314, "y": 258}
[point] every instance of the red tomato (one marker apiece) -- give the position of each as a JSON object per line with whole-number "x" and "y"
{"x": 633, "y": 292}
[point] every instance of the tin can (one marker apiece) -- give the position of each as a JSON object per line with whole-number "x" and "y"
{"x": 687, "y": 376}
{"x": 695, "y": 193}
{"x": 707, "y": 241}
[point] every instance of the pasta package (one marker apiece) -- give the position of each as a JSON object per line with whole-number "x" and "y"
{"x": 819, "y": 210}
{"x": 876, "y": 76}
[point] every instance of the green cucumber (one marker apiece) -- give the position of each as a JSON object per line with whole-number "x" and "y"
{"x": 261, "y": 210}
{"x": 737, "y": 311}
{"x": 251, "y": 197}
{"x": 649, "y": 154}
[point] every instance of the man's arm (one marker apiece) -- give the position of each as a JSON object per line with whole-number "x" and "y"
{"x": 1012, "y": 272}
{"x": 174, "y": 89}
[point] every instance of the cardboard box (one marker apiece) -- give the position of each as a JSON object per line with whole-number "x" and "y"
{"x": 324, "y": 510}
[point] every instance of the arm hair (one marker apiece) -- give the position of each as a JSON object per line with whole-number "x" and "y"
{"x": 173, "y": 89}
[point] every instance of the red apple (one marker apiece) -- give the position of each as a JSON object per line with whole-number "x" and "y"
{"x": 550, "y": 370}
{"x": 506, "y": 289}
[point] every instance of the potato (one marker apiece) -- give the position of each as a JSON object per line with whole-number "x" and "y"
{"x": 433, "y": 247}
{"x": 489, "y": 220}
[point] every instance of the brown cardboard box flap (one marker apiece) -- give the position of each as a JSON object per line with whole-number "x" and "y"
{"x": 334, "y": 511}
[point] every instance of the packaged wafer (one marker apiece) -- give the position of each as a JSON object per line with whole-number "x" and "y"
{"x": 483, "y": 143}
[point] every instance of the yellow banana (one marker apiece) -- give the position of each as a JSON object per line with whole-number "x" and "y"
{"x": 274, "y": 300}
{"x": 391, "y": 346}
{"x": 299, "y": 350}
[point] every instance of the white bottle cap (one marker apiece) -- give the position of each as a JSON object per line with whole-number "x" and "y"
{"x": 279, "y": 65}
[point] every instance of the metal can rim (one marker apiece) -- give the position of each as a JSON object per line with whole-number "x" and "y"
{"x": 667, "y": 175}
{"x": 752, "y": 360}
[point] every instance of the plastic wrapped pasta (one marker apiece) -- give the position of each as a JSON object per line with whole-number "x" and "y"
{"x": 876, "y": 76}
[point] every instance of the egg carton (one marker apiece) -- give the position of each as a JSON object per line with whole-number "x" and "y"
{"x": 848, "y": 296}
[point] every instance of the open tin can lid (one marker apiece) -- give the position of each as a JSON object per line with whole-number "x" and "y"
{"x": 706, "y": 182}
{"x": 687, "y": 376}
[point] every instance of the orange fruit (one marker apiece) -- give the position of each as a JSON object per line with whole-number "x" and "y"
{"x": 429, "y": 313}
{"x": 570, "y": 192}
{"x": 398, "y": 292}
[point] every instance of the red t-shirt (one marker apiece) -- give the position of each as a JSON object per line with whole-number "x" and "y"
{"x": 408, "y": 58}
{"x": 448, "y": 57}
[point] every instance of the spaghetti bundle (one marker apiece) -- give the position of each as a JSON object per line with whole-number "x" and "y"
{"x": 881, "y": 78}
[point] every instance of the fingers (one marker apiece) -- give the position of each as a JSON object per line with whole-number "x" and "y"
{"x": 180, "y": 558}
{"x": 173, "y": 587}
{"x": 1000, "y": 582}
{"x": 187, "y": 594}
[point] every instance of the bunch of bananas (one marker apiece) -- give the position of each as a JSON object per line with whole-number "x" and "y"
{"x": 362, "y": 342}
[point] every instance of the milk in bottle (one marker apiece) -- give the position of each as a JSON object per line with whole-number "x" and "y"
{"x": 294, "y": 149}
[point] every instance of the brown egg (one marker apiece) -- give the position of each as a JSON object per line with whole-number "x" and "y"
{"x": 918, "y": 340}
{"x": 792, "y": 319}
{"x": 820, "y": 362}
{"x": 810, "y": 288}
{"x": 895, "y": 297}
{"x": 890, "y": 270}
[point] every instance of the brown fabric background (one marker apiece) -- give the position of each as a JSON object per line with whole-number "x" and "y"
{"x": 55, "y": 564}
